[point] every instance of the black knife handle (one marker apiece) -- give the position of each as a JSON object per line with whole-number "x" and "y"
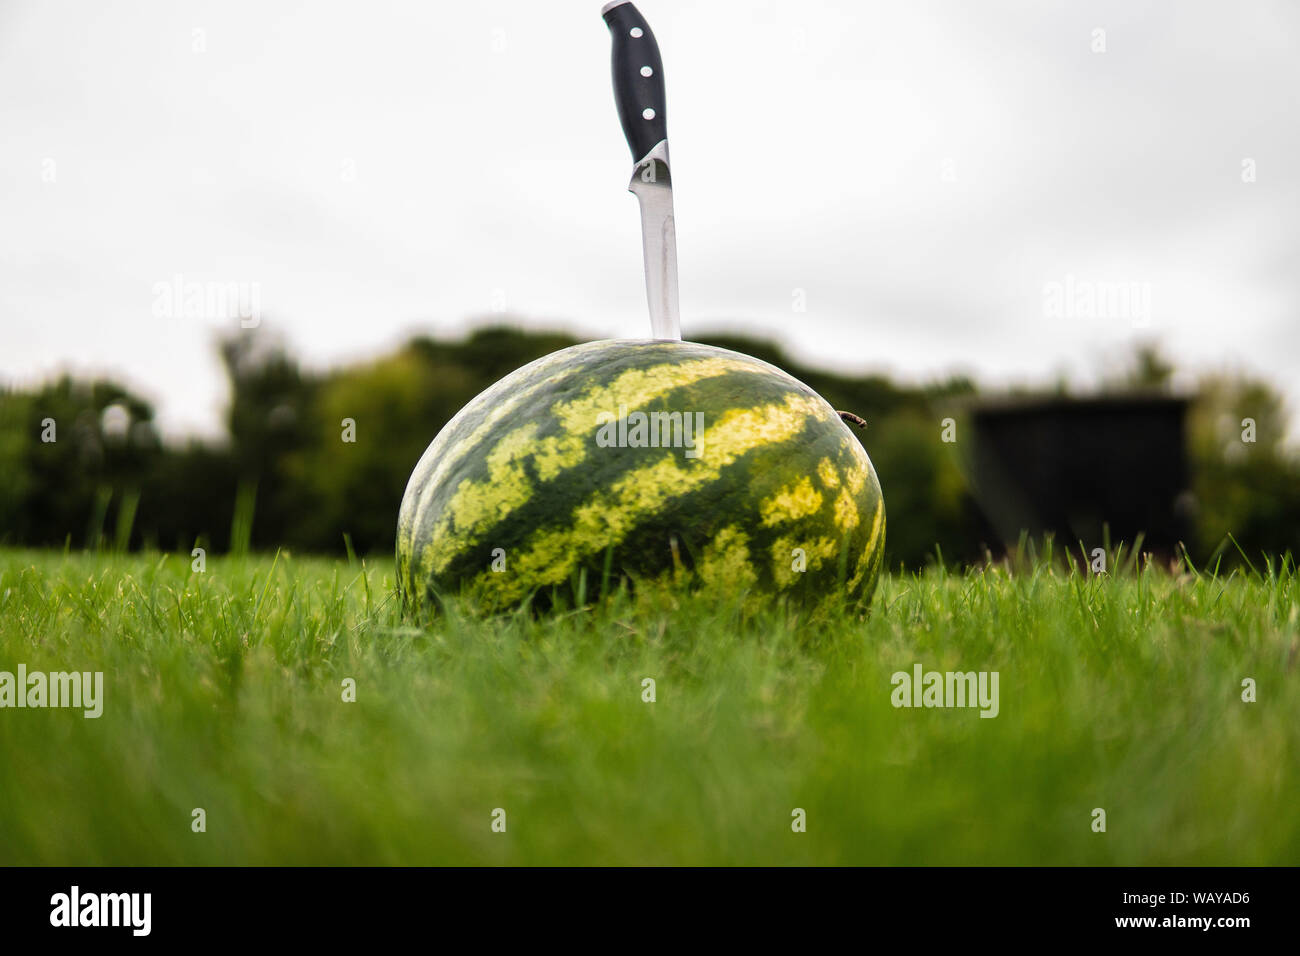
{"x": 642, "y": 108}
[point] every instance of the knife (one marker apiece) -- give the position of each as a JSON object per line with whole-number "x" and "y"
{"x": 639, "y": 94}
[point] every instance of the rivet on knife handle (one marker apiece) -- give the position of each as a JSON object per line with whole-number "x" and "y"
{"x": 638, "y": 78}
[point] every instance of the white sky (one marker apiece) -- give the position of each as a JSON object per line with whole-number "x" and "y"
{"x": 809, "y": 145}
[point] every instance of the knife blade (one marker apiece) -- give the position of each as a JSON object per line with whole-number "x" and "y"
{"x": 639, "y": 94}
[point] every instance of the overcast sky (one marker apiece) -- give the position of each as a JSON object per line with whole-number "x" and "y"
{"x": 942, "y": 186}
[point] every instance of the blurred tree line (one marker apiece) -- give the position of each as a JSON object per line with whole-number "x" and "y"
{"x": 286, "y": 477}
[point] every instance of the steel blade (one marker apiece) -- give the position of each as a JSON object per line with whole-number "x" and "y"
{"x": 652, "y": 185}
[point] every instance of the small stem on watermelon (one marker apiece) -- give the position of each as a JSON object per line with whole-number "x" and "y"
{"x": 853, "y": 419}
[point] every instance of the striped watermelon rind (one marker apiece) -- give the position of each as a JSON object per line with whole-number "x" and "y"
{"x": 782, "y": 499}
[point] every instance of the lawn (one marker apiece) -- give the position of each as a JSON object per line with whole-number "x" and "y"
{"x": 223, "y": 690}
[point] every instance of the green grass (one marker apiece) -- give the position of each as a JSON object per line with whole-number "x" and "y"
{"x": 223, "y": 691}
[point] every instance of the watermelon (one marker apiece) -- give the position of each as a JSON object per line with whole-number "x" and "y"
{"x": 642, "y": 460}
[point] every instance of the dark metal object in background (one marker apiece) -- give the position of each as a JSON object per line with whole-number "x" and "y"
{"x": 1082, "y": 467}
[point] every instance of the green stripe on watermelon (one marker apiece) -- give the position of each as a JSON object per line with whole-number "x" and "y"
{"x": 544, "y": 494}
